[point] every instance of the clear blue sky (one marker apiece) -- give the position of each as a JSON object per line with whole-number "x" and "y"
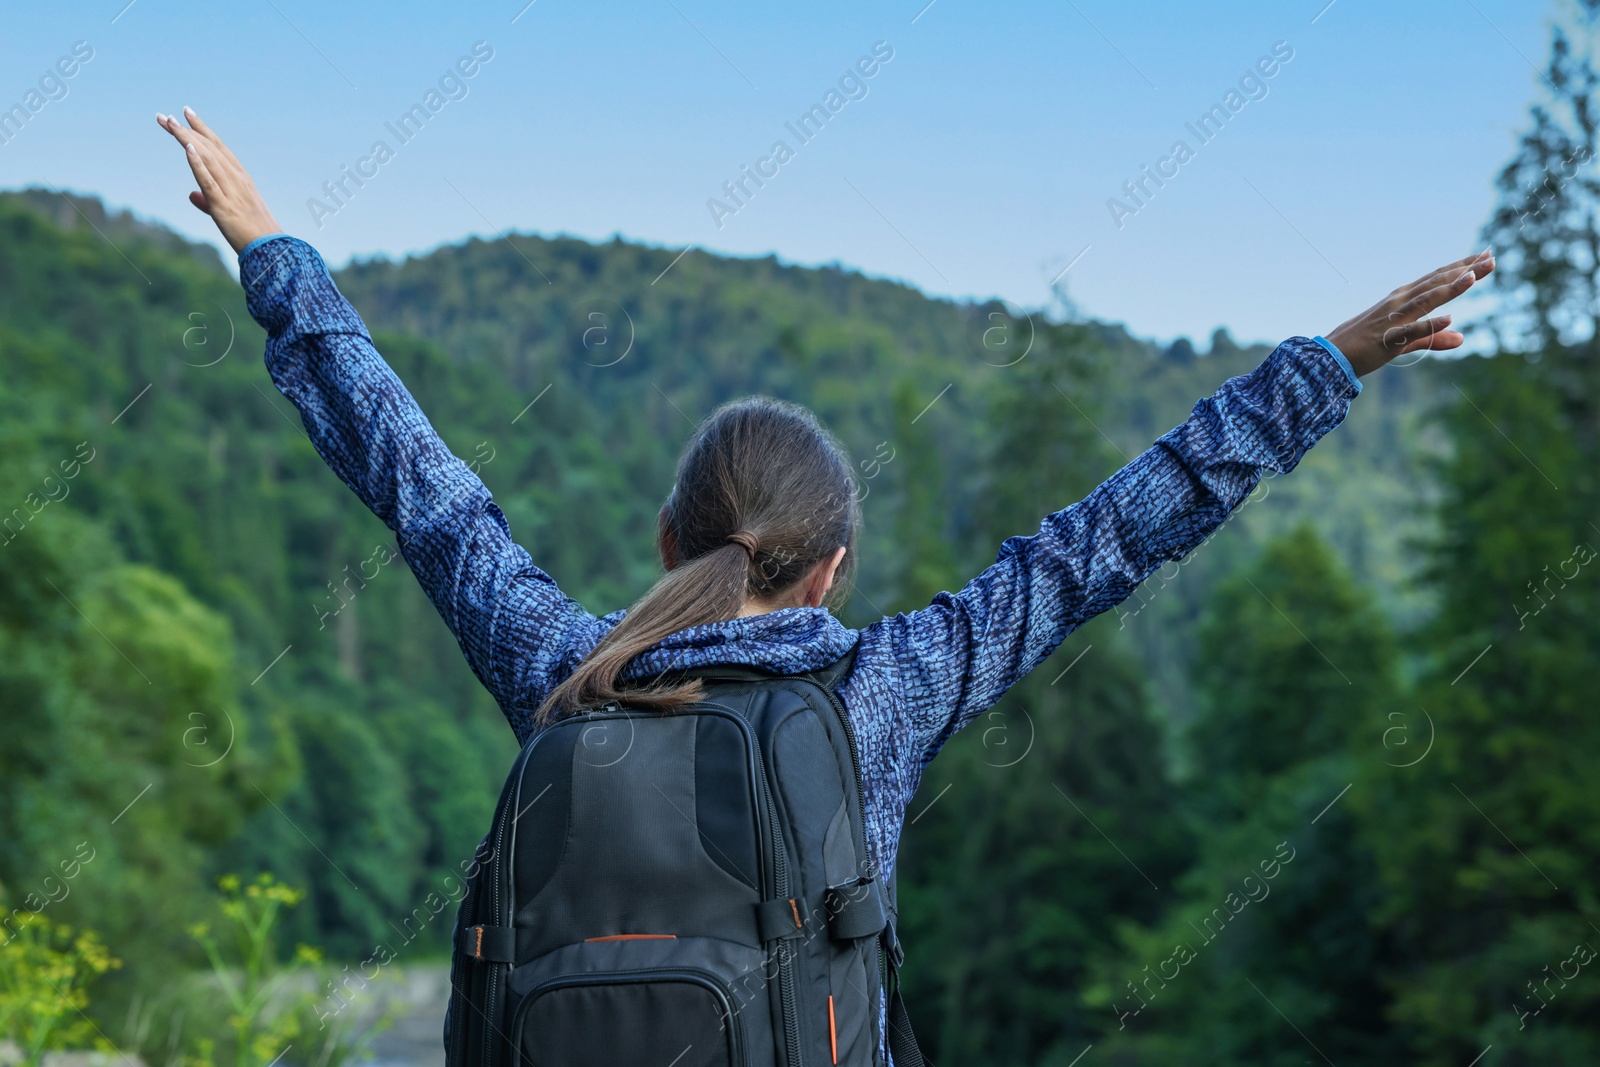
{"x": 979, "y": 163}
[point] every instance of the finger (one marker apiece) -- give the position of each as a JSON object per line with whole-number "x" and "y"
{"x": 1480, "y": 262}
{"x": 1413, "y": 335}
{"x": 1443, "y": 341}
{"x": 203, "y": 175}
{"x": 180, "y": 133}
{"x": 1405, "y": 334}
{"x": 218, "y": 158}
{"x": 198, "y": 199}
{"x": 1425, "y": 302}
{"x": 199, "y": 126}
{"x": 1450, "y": 270}
{"x": 205, "y": 131}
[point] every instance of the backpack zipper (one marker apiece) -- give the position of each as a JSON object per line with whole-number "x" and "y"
{"x": 791, "y": 1015}
{"x": 458, "y": 993}
{"x": 780, "y": 887}
{"x": 497, "y": 870}
{"x": 494, "y": 910}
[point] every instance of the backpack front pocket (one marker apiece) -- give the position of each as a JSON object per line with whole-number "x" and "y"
{"x": 653, "y": 1001}
{"x": 678, "y": 1017}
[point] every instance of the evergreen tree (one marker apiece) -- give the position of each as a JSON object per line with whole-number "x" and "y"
{"x": 1296, "y": 670}
{"x": 1050, "y": 817}
{"x": 1489, "y": 846}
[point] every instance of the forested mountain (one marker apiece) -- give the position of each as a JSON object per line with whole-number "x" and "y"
{"x": 1374, "y": 683}
{"x": 363, "y": 756}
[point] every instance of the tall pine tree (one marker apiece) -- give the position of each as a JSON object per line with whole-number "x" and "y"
{"x": 1050, "y": 818}
{"x": 1296, "y": 671}
{"x": 1492, "y": 843}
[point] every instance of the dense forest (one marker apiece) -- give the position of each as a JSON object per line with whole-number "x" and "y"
{"x": 1316, "y": 793}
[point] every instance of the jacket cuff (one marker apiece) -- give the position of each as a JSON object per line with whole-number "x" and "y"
{"x": 288, "y": 290}
{"x": 1333, "y": 350}
{"x": 259, "y": 240}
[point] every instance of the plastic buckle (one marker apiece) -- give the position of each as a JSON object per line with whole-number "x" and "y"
{"x": 891, "y": 944}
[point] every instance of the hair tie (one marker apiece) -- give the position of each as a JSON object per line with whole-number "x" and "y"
{"x": 746, "y": 540}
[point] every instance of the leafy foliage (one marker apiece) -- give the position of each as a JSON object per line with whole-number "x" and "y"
{"x": 1375, "y": 684}
{"x": 45, "y": 972}
{"x": 268, "y": 1005}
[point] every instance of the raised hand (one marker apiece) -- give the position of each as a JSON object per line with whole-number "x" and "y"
{"x": 226, "y": 192}
{"x": 1398, "y": 323}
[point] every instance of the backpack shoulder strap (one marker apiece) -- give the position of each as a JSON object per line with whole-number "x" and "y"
{"x": 831, "y": 676}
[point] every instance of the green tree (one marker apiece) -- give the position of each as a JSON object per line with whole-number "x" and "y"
{"x": 1491, "y": 841}
{"x": 1050, "y": 817}
{"x": 127, "y": 748}
{"x": 1546, "y": 224}
{"x": 1297, "y": 671}
{"x": 1491, "y": 847}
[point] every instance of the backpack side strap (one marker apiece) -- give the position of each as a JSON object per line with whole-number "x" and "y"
{"x": 903, "y": 1047}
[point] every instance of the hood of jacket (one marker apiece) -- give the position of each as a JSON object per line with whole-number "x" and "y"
{"x": 787, "y": 641}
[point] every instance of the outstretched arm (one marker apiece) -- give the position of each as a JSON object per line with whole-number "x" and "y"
{"x": 955, "y": 658}
{"x": 514, "y": 625}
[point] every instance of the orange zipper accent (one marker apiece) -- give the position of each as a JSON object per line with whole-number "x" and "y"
{"x": 833, "y": 1037}
{"x": 633, "y": 937}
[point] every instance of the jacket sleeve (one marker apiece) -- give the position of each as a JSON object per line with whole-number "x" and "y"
{"x": 954, "y": 659}
{"x": 512, "y": 622}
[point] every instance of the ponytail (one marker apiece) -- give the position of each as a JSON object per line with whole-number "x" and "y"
{"x": 763, "y": 494}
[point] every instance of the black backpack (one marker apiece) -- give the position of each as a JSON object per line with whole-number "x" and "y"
{"x": 681, "y": 889}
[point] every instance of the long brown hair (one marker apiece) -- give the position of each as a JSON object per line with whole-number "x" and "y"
{"x": 763, "y": 494}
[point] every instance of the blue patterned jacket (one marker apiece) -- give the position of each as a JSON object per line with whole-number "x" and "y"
{"x": 918, "y": 677}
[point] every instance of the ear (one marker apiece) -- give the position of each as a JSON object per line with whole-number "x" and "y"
{"x": 821, "y": 579}
{"x": 665, "y": 541}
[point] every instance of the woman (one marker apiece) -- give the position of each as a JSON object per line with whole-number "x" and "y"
{"x": 760, "y": 526}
